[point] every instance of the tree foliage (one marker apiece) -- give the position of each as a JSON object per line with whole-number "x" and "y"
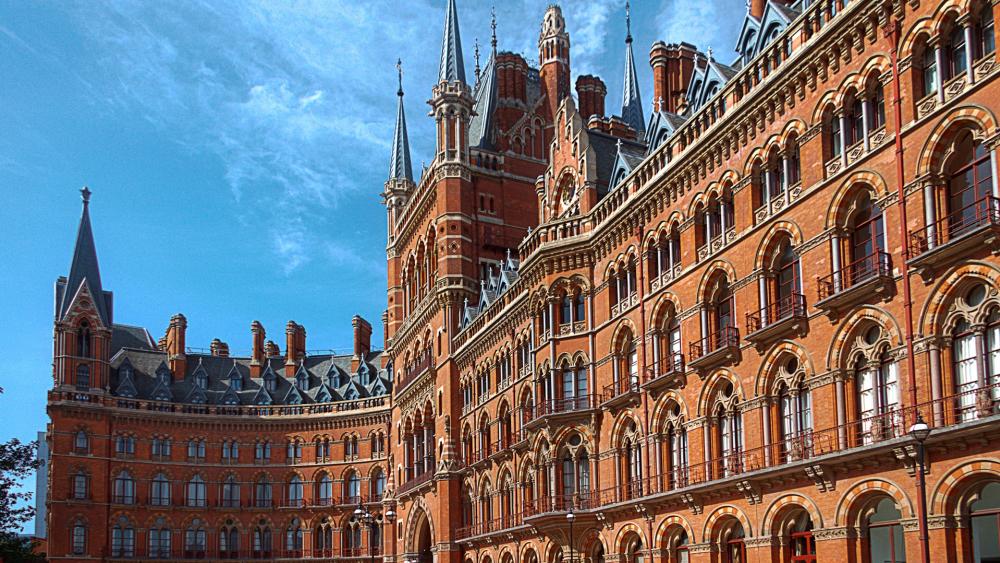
{"x": 17, "y": 462}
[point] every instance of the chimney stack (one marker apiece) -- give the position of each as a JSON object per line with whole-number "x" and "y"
{"x": 673, "y": 66}
{"x": 176, "y": 349}
{"x": 271, "y": 350}
{"x": 219, "y": 348}
{"x": 362, "y": 341}
{"x": 590, "y": 90}
{"x": 295, "y": 346}
{"x": 757, "y": 8}
{"x": 257, "y": 353}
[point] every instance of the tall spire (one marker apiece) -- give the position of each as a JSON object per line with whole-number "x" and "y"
{"x": 452, "y": 66}
{"x": 399, "y": 166}
{"x": 486, "y": 94}
{"x": 84, "y": 269}
{"x": 631, "y": 100}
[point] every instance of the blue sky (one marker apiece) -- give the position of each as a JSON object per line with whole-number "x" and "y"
{"x": 236, "y": 150}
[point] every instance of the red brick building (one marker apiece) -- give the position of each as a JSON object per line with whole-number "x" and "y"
{"x": 699, "y": 336}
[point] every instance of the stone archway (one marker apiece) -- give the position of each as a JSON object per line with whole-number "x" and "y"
{"x": 419, "y": 537}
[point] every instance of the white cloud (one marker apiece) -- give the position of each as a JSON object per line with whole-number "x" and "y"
{"x": 704, "y": 23}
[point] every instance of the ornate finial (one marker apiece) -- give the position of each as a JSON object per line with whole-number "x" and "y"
{"x": 399, "y": 69}
{"x": 710, "y": 53}
{"x": 476, "y": 51}
{"x": 493, "y": 26}
{"x": 628, "y": 22}
{"x": 618, "y": 143}
{"x": 659, "y": 103}
{"x": 85, "y": 195}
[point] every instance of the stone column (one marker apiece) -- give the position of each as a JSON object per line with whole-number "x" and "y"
{"x": 939, "y": 75}
{"x": 843, "y": 139}
{"x": 970, "y": 73}
{"x": 930, "y": 215}
{"x": 835, "y": 257}
{"x": 934, "y": 355}
{"x": 865, "y": 122}
{"x": 841, "y": 411}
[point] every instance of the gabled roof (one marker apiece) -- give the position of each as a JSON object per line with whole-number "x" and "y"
{"x": 452, "y": 68}
{"x": 627, "y": 157}
{"x": 84, "y": 270}
{"x": 662, "y": 125}
{"x": 482, "y": 126}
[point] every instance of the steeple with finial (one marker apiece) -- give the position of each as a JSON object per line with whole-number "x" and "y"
{"x": 400, "y": 167}
{"x": 481, "y": 130}
{"x": 84, "y": 271}
{"x": 631, "y": 99}
{"x": 452, "y": 99}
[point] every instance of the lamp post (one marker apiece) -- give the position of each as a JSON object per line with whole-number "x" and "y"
{"x": 390, "y": 518}
{"x": 364, "y": 516}
{"x": 919, "y": 432}
{"x": 569, "y": 518}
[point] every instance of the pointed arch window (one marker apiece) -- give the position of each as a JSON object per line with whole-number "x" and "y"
{"x": 293, "y": 538}
{"x": 124, "y": 488}
{"x": 795, "y": 404}
{"x": 377, "y": 485}
{"x": 159, "y": 493}
{"x": 928, "y": 70}
{"x": 263, "y": 492}
{"x": 985, "y": 40}
{"x": 323, "y": 539}
{"x": 956, "y": 62}
{"x": 80, "y": 485}
{"x": 677, "y": 448}
{"x": 159, "y": 540}
{"x": 81, "y": 442}
{"x": 295, "y": 491}
{"x": 970, "y": 185}
{"x": 877, "y": 381}
{"x": 729, "y": 431}
{"x": 229, "y": 541}
{"x": 231, "y": 492}
{"x": 194, "y": 540}
{"x": 352, "y": 488}
{"x": 262, "y": 541}
{"x": 78, "y": 538}
{"x": 83, "y": 340}
{"x": 83, "y": 377}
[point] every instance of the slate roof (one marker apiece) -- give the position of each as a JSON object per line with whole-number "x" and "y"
{"x": 84, "y": 270}
{"x": 606, "y": 150}
{"x": 452, "y": 67}
{"x": 324, "y": 377}
{"x": 400, "y": 167}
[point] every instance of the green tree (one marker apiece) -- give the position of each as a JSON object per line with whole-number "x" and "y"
{"x": 17, "y": 462}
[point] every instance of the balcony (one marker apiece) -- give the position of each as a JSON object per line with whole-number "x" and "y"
{"x": 665, "y": 375}
{"x": 856, "y": 283}
{"x": 623, "y": 392}
{"x": 715, "y": 349}
{"x": 947, "y": 240}
{"x": 494, "y": 526}
{"x": 560, "y": 410}
{"x": 414, "y": 479}
{"x": 777, "y": 319}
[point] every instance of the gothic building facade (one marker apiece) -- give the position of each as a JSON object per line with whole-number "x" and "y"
{"x": 752, "y": 317}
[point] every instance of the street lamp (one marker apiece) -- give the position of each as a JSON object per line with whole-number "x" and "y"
{"x": 919, "y": 432}
{"x": 569, "y": 518}
{"x": 364, "y": 516}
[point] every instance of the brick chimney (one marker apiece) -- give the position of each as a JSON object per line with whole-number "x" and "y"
{"x": 757, "y": 8}
{"x": 362, "y": 341}
{"x": 673, "y": 66}
{"x": 219, "y": 348}
{"x": 176, "y": 356}
{"x": 590, "y": 90}
{"x": 257, "y": 352}
{"x": 295, "y": 346}
{"x": 512, "y": 76}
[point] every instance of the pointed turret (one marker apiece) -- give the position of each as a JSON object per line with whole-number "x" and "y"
{"x": 84, "y": 271}
{"x": 452, "y": 66}
{"x": 631, "y": 100}
{"x": 399, "y": 166}
{"x": 486, "y": 94}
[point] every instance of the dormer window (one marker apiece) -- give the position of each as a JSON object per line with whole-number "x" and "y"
{"x": 270, "y": 384}
{"x": 236, "y": 382}
{"x": 363, "y": 373}
{"x": 201, "y": 380}
{"x": 125, "y": 371}
{"x": 302, "y": 381}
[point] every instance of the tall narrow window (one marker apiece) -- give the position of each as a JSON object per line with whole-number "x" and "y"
{"x": 984, "y": 31}
{"x": 885, "y": 533}
{"x": 984, "y": 524}
{"x": 928, "y": 70}
{"x": 957, "y": 62}
{"x": 78, "y": 538}
{"x": 970, "y": 182}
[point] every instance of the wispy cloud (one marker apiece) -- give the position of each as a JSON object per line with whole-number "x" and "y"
{"x": 703, "y": 23}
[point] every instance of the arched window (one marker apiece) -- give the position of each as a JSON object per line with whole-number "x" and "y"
{"x": 377, "y": 484}
{"x": 733, "y": 545}
{"x": 867, "y": 234}
{"x": 801, "y": 544}
{"x": 793, "y": 161}
{"x": 83, "y": 340}
{"x": 323, "y": 538}
{"x": 678, "y": 547}
{"x": 885, "y": 534}
{"x": 295, "y": 491}
{"x": 80, "y": 485}
{"x": 928, "y": 69}
{"x": 579, "y": 311}
{"x": 782, "y": 288}
{"x": 159, "y": 540}
{"x": 877, "y": 381}
{"x": 324, "y": 490}
{"x": 575, "y": 475}
{"x": 231, "y": 492}
{"x": 794, "y": 413}
{"x": 976, "y": 357}
{"x": 631, "y": 469}
{"x": 677, "y": 448}
{"x": 633, "y": 551}
{"x": 984, "y": 523}
{"x": 123, "y": 538}
{"x": 985, "y": 41}
{"x": 262, "y": 540}
{"x": 729, "y": 431}
{"x": 124, "y": 488}
{"x": 970, "y": 184}
{"x": 194, "y": 540}
{"x": 833, "y": 140}
{"x": 229, "y": 541}
{"x": 854, "y": 119}
{"x": 351, "y": 533}
{"x": 262, "y": 492}
{"x": 566, "y": 309}
{"x": 876, "y": 103}
{"x": 293, "y": 538}
{"x": 196, "y": 491}
{"x": 78, "y": 538}
{"x": 81, "y": 442}
{"x": 159, "y": 494}
{"x": 83, "y": 376}
{"x": 955, "y": 60}
{"x": 353, "y": 489}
